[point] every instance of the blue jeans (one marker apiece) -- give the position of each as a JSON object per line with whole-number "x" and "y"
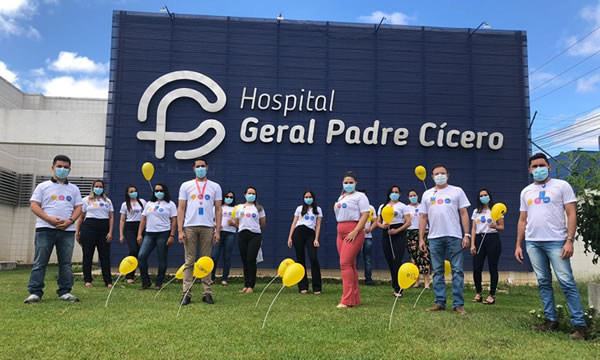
{"x": 225, "y": 245}
{"x": 44, "y": 243}
{"x": 542, "y": 254}
{"x": 450, "y": 248}
{"x": 366, "y": 252}
{"x": 153, "y": 240}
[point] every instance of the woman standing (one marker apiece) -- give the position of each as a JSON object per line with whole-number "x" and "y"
{"x": 131, "y": 214}
{"x": 351, "y": 213}
{"x": 304, "y": 234}
{"x": 250, "y": 219}
{"x": 491, "y": 247}
{"x": 227, "y": 242}
{"x": 419, "y": 258}
{"x": 159, "y": 219}
{"x": 94, "y": 230}
{"x": 394, "y": 235}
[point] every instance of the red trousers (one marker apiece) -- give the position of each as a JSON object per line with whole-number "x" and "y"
{"x": 348, "y": 252}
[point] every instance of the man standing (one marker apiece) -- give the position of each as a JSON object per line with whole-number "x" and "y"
{"x": 549, "y": 240}
{"x": 57, "y": 204}
{"x": 198, "y": 212}
{"x": 441, "y": 206}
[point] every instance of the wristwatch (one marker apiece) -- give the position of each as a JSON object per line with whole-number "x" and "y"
{"x": 72, "y": 221}
{"x": 468, "y": 235}
{"x": 570, "y": 238}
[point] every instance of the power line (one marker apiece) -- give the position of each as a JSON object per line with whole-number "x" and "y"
{"x": 547, "y": 81}
{"x": 586, "y": 136}
{"x": 573, "y": 127}
{"x": 563, "y": 119}
{"x": 563, "y": 85}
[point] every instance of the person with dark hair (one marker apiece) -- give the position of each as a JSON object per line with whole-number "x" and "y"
{"x": 418, "y": 257}
{"x": 250, "y": 220}
{"x": 159, "y": 219}
{"x": 56, "y": 203}
{"x": 227, "y": 241}
{"x": 393, "y": 237}
{"x": 351, "y": 212}
{"x": 367, "y": 248}
{"x": 94, "y": 230}
{"x": 444, "y": 208}
{"x": 131, "y": 214}
{"x": 489, "y": 247}
{"x": 549, "y": 241}
{"x": 304, "y": 236}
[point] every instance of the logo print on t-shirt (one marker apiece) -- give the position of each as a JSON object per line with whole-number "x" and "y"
{"x": 542, "y": 198}
{"x": 206, "y": 197}
{"x": 306, "y": 217}
{"x": 440, "y": 201}
{"x": 344, "y": 205}
{"x": 254, "y": 215}
{"x": 312, "y": 217}
{"x": 193, "y": 196}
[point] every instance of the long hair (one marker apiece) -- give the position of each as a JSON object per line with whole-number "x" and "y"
{"x": 389, "y": 191}
{"x": 167, "y": 197}
{"x": 348, "y": 174}
{"x": 480, "y": 204}
{"x": 93, "y": 196}
{"x": 259, "y": 207}
{"x": 128, "y": 199}
{"x": 313, "y": 205}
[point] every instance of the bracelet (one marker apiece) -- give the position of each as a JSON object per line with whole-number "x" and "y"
{"x": 171, "y": 235}
{"x": 468, "y": 235}
{"x": 72, "y": 221}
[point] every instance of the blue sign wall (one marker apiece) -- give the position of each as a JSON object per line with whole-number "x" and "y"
{"x": 296, "y": 104}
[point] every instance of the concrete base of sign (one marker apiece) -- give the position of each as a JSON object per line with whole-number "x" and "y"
{"x": 594, "y": 295}
{"x": 8, "y": 265}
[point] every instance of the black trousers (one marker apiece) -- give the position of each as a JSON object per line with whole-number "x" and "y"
{"x": 249, "y": 243}
{"x": 303, "y": 238}
{"x": 393, "y": 249}
{"x": 130, "y": 231}
{"x": 93, "y": 235}
{"x": 491, "y": 248}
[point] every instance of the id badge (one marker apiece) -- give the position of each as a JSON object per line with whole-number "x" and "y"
{"x": 200, "y": 211}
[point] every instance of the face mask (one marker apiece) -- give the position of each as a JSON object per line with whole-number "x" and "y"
{"x": 228, "y": 200}
{"x": 159, "y": 195}
{"x": 440, "y": 179}
{"x": 98, "y": 191}
{"x": 484, "y": 199}
{"x": 394, "y": 196}
{"x": 200, "y": 172}
{"x": 250, "y": 197}
{"x": 349, "y": 187}
{"x": 308, "y": 201}
{"x": 61, "y": 173}
{"x": 540, "y": 174}
{"x": 413, "y": 199}
{"x": 133, "y": 195}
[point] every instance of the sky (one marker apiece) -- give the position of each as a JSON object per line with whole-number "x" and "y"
{"x": 62, "y": 47}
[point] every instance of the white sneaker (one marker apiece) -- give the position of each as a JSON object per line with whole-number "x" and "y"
{"x": 68, "y": 297}
{"x": 32, "y": 299}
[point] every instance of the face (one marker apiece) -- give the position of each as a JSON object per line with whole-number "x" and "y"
{"x": 307, "y": 195}
{"x": 131, "y": 190}
{"x": 158, "y": 188}
{"x": 99, "y": 184}
{"x": 61, "y": 164}
{"x": 395, "y": 190}
{"x": 483, "y": 193}
{"x": 439, "y": 171}
{"x": 412, "y": 193}
{"x": 349, "y": 180}
{"x": 251, "y": 191}
{"x": 229, "y": 195}
{"x": 200, "y": 163}
{"x": 537, "y": 163}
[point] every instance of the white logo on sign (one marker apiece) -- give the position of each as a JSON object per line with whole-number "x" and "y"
{"x": 161, "y": 135}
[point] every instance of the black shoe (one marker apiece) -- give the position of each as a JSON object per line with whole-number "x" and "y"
{"x": 546, "y": 326}
{"x": 369, "y": 282}
{"x": 208, "y": 299}
{"x": 146, "y": 285}
{"x": 186, "y": 300}
{"x": 578, "y": 333}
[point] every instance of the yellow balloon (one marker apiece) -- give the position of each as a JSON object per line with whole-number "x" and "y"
{"x": 235, "y": 211}
{"x": 179, "y": 273}
{"x": 420, "y": 172}
{"x": 407, "y": 275}
{"x": 498, "y": 211}
{"x": 203, "y": 267}
{"x": 148, "y": 170}
{"x": 447, "y": 268}
{"x": 283, "y": 266}
{"x": 371, "y": 213}
{"x": 293, "y": 274}
{"x": 387, "y": 214}
{"x": 128, "y": 264}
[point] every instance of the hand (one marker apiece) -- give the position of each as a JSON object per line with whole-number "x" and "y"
{"x": 77, "y": 238}
{"x": 53, "y": 220}
{"x": 393, "y": 231}
{"x": 290, "y": 243}
{"x": 216, "y": 237}
{"x": 567, "y": 250}
{"x": 316, "y": 243}
{"x": 122, "y": 239}
{"x": 493, "y": 225}
{"x": 422, "y": 246}
{"x": 473, "y": 250}
{"x": 367, "y": 230}
{"x": 139, "y": 240}
{"x": 351, "y": 236}
{"x": 465, "y": 242}
{"x": 385, "y": 226}
{"x": 108, "y": 238}
{"x": 181, "y": 237}
{"x": 519, "y": 254}
{"x": 230, "y": 222}
{"x": 63, "y": 224}
{"x": 170, "y": 241}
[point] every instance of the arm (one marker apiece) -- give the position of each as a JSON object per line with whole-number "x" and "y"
{"x": 263, "y": 222}
{"x": 289, "y": 242}
{"x": 218, "y": 219}
{"x": 372, "y": 227}
{"x": 464, "y": 219}
{"x": 122, "y": 228}
{"x": 360, "y": 226}
{"x": 36, "y": 208}
{"x": 141, "y": 230}
{"x": 111, "y": 223}
{"x": 473, "y": 235}
{"x": 78, "y": 227}
{"x": 403, "y": 227}
{"x": 317, "y": 232}
{"x": 180, "y": 217}
{"x": 171, "y": 239}
{"x": 498, "y": 225}
{"x": 520, "y": 236}
{"x": 422, "y": 226}
{"x": 571, "y": 210}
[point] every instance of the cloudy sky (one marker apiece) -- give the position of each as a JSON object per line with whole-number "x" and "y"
{"x": 61, "y": 47}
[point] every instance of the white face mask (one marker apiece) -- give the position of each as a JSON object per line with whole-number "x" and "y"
{"x": 440, "y": 179}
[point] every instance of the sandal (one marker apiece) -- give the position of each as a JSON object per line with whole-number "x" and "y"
{"x": 317, "y": 293}
{"x": 477, "y": 298}
{"x": 493, "y": 302}
{"x": 303, "y": 291}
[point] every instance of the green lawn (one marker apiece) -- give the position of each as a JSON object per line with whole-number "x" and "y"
{"x": 137, "y": 326}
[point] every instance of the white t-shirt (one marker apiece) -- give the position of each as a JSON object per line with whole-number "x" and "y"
{"x": 227, "y": 211}
{"x": 441, "y": 207}
{"x": 482, "y": 220}
{"x": 400, "y": 209}
{"x": 158, "y": 215}
{"x": 249, "y": 218}
{"x": 309, "y": 219}
{"x": 545, "y": 206}
{"x": 135, "y": 214}
{"x": 56, "y": 199}
{"x": 369, "y": 223}
{"x": 97, "y": 209}
{"x": 349, "y": 207}
{"x": 200, "y": 199}
{"x": 415, "y": 214}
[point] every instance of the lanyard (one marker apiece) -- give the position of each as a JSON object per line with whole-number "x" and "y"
{"x": 200, "y": 194}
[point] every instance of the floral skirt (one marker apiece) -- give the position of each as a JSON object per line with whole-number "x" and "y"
{"x": 421, "y": 259}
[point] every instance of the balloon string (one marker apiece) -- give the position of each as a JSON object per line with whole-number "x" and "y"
{"x": 164, "y": 286}
{"x": 272, "y": 302}
{"x": 261, "y": 294}
{"x": 391, "y": 246}
{"x": 425, "y": 185}
{"x": 392, "y": 314}
{"x": 151, "y": 188}
{"x": 481, "y": 244}
{"x": 111, "y": 289}
{"x": 184, "y": 295}
{"x": 422, "y": 291}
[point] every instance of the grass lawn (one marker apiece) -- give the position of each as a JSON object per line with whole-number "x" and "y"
{"x": 137, "y": 326}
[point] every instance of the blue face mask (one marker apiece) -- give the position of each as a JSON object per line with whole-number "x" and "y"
{"x": 228, "y": 200}
{"x": 61, "y": 173}
{"x": 413, "y": 199}
{"x": 308, "y": 201}
{"x": 98, "y": 191}
{"x": 540, "y": 174}
{"x": 250, "y": 197}
{"x": 349, "y": 187}
{"x": 159, "y": 195}
{"x": 394, "y": 196}
{"x": 200, "y": 172}
{"x": 484, "y": 199}
{"x": 133, "y": 195}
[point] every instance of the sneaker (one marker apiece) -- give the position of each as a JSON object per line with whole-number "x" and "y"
{"x": 68, "y": 297}
{"x": 548, "y": 325}
{"x": 186, "y": 300}
{"x": 32, "y": 299}
{"x": 578, "y": 333}
{"x": 208, "y": 299}
{"x": 460, "y": 310}
{"x": 436, "y": 307}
